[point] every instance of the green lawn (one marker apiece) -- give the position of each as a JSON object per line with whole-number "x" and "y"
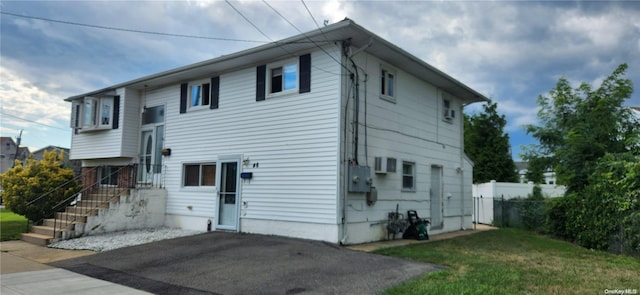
{"x": 11, "y": 225}
{"x": 510, "y": 261}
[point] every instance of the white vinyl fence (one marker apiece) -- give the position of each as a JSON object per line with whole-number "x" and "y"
{"x": 485, "y": 193}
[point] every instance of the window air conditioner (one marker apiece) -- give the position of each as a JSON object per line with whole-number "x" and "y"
{"x": 384, "y": 165}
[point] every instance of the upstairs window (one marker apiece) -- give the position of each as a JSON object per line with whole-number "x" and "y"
{"x": 448, "y": 113}
{"x": 95, "y": 113}
{"x": 283, "y": 78}
{"x": 199, "y": 94}
{"x": 387, "y": 84}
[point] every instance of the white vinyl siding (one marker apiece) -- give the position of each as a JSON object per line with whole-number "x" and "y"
{"x": 411, "y": 130}
{"x": 110, "y": 143}
{"x": 293, "y": 139}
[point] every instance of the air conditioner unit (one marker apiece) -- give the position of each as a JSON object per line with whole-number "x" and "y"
{"x": 449, "y": 114}
{"x": 380, "y": 166}
{"x": 384, "y": 165}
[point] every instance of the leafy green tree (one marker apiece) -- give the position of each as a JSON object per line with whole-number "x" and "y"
{"x": 605, "y": 214}
{"x": 536, "y": 170}
{"x": 579, "y": 126}
{"x": 487, "y": 145}
{"x": 23, "y": 184}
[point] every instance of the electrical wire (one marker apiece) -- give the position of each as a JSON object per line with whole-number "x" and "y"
{"x": 34, "y": 122}
{"x": 299, "y": 31}
{"x": 310, "y": 14}
{"x": 128, "y": 30}
{"x": 248, "y": 20}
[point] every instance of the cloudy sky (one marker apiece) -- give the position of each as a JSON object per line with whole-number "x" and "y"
{"x": 510, "y": 51}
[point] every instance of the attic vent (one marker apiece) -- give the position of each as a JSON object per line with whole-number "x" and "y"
{"x": 384, "y": 165}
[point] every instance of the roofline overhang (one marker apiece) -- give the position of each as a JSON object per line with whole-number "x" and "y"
{"x": 297, "y": 43}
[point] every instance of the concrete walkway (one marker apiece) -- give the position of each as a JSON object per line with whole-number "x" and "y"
{"x": 23, "y": 271}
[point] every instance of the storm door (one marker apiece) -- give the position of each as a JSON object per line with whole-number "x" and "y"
{"x": 151, "y": 143}
{"x": 436, "y": 197}
{"x": 228, "y": 196}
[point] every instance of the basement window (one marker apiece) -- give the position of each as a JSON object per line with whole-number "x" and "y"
{"x": 199, "y": 174}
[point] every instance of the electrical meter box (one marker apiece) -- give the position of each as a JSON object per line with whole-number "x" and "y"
{"x": 359, "y": 179}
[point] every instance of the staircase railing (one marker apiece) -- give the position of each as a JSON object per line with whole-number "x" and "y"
{"x": 91, "y": 198}
{"x": 64, "y": 186}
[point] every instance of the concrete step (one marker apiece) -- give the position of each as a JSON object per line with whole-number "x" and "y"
{"x": 60, "y": 224}
{"x": 84, "y": 210}
{"x": 106, "y": 194}
{"x": 36, "y": 239}
{"x": 65, "y": 217}
{"x": 43, "y": 230}
{"x": 92, "y": 204}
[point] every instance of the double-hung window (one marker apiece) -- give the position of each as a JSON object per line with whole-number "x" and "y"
{"x": 199, "y": 175}
{"x": 95, "y": 113}
{"x": 408, "y": 176}
{"x": 199, "y": 94}
{"x": 387, "y": 84}
{"x": 283, "y": 77}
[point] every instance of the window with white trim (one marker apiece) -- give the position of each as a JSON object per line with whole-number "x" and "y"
{"x": 199, "y": 174}
{"x": 95, "y": 113}
{"x": 283, "y": 77}
{"x": 199, "y": 94}
{"x": 408, "y": 176}
{"x": 387, "y": 84}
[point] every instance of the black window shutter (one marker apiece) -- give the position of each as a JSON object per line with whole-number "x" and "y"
{"x": 261, "y": 76}
{"x": 305, "y": 73}
{"x": 116, "y": 112}
{"x": 184, "y": 89}
{"x": 215, "y": 92}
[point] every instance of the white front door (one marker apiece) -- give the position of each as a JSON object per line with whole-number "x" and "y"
{"x": 228, "y": 194}
{"x": 150, "y": 157}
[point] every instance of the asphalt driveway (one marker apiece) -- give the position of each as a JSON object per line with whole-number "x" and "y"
{"x": 232, "y": 263}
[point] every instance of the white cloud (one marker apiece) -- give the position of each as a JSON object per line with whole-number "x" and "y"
{"x": 22, "y": 99}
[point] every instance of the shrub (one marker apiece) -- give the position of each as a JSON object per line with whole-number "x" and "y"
{"x": 22, "y": 185}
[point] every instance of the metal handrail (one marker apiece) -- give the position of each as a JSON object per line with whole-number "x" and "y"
{"x": 75, "y": 179}
{"x": 104, "y": 193}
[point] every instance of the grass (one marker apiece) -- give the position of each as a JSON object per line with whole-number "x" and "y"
{"x": 511, "y": 261}
{"x": 11, "y": 225}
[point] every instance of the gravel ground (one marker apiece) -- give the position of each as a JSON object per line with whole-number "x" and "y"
{"x": 115, "y": 240}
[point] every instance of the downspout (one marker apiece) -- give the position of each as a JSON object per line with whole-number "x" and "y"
{"x": 462, "y": 192}
{"x": 344, "y": 163}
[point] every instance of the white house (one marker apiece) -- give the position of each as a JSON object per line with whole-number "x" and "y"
{"x": 318, "y": 136}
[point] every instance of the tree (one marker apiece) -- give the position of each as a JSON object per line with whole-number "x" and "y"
{"x": 579, "y": 126}
{"x": 23, "y": 184}
{"x": 487, "y": 145}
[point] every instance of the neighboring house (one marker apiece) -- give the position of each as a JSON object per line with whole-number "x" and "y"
{"x": 8, "y": 151}
{"x": 318, "y": 136}
{"x": 76, "y": 165}
{"x": 522, "y": 168}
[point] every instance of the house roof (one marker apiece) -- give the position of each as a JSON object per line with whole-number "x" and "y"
{"x": 51, "y": 147}
{"x": 338, "y": 32}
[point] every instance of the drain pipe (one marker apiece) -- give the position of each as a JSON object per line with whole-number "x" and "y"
{"x": 462, "y": 195}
